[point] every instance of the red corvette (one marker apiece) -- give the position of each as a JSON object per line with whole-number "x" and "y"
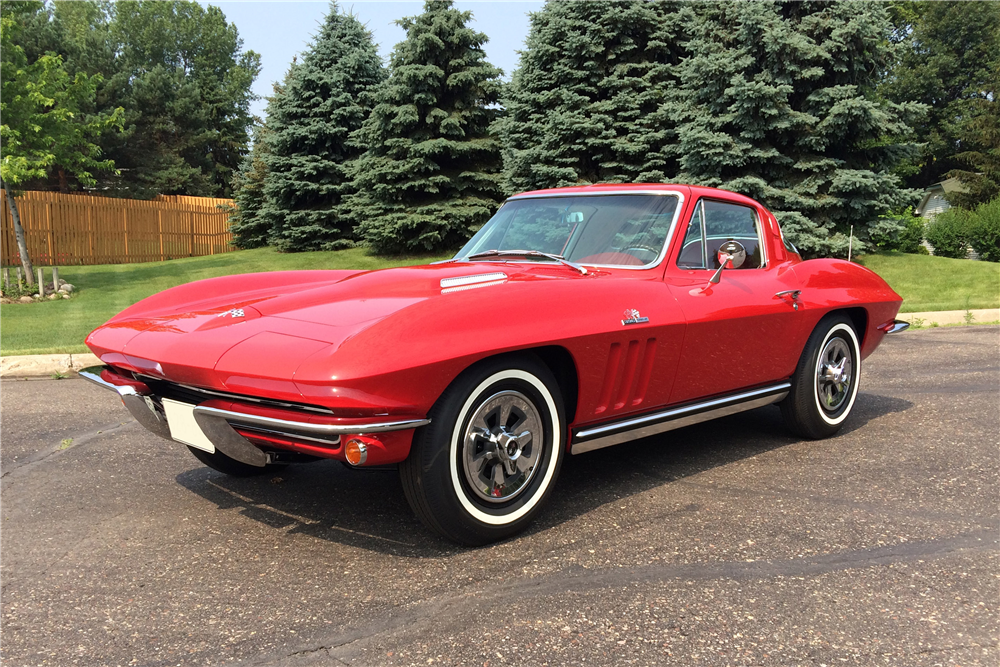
{"x": 575, "y": 319}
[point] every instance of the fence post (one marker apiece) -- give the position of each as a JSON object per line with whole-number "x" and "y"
{"x": 48, "y": 237}
{"x": 90, "y": 232}
{"x": 6, "y": 277}
{"x": 55, "y": 278}
{"x": 41, "y": 282}
{"x": 19, "y": 276}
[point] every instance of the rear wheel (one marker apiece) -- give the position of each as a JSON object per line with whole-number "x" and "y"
{"x": 825, "y": 383}
{"x": 484, "y": 466}
{"x": 230, "y": 466}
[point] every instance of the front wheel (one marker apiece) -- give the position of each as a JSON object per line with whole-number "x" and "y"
{"x": 484, "y": 466}
{"x": 825, "y": 383}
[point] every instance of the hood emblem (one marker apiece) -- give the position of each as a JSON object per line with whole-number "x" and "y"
{"x": 234, "y": 312}
{"x": 632, "y": 316}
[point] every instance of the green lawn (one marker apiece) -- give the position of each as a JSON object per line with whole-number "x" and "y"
{"x": 925, "y": 283}
{"x": 938, "y": 283}
{"x": 60, "y": 326}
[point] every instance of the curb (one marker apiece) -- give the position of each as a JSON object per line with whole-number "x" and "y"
{"x": 47, "y": 365}
{"x": 943, "y": 317}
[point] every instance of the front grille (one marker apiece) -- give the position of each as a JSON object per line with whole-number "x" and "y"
{"x": 188, "y": 394}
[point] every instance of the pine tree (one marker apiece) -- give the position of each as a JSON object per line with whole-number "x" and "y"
{"x": 327, "y": 97}
{"x": 586, "y": 103}
{"x": 777, "y": 103}
{"x": 430, "y": 177}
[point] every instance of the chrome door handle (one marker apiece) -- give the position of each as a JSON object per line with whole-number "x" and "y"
{"x": 793, "y": 293}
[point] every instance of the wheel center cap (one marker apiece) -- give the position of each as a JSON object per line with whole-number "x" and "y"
{"x": 507, "y": 445}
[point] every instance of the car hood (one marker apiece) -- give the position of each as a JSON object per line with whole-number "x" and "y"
{"x": 251, "y": 333}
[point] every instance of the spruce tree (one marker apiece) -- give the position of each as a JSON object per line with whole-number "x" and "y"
{"x": 327, "y": 97}
{"x": 249, "y": 228}
{"x": 586, "y": 103}
{"x": 430, "y": 177}
{"x": 777, "y": 102}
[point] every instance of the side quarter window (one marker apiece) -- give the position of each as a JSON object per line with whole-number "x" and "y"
{"x": 714, "y": 223}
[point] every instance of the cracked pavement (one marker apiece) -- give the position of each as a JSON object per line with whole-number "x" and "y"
{"x": 726, "y": 543}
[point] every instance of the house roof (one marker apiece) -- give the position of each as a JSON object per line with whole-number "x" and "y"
{"x": 942, "y": 188}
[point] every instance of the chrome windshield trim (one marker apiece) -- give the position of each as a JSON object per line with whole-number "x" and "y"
{"x": 637, "y": 422}
{"x": 623, "y": 191}
{"x": 307, "y": 427}
{"x": 620, "y": 191}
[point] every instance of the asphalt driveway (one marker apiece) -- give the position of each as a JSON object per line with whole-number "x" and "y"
{"x": 727, "y": 543}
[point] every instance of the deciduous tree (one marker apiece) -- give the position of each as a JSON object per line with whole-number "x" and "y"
{"x": 950, "y": 61}
{"x": 43, "y": 127}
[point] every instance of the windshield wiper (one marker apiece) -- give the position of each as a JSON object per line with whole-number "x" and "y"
{"x": 526, "y": 253}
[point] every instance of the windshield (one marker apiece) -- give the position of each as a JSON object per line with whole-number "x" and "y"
{"x": 606, "y": 230}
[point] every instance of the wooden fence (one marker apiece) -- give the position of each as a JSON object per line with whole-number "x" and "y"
{"x": 62, "y": 230}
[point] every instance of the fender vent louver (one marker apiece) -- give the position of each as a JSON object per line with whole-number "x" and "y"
{"x": 626, "y": 376}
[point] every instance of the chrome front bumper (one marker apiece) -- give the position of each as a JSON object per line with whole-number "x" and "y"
{"x": 218, "y": 425}
{"x": 895, "y": 326}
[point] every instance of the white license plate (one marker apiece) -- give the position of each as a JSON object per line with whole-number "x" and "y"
{"x": 183, "y": 427}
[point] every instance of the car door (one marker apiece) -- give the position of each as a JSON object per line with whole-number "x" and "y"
{"x": 740, "y": 331}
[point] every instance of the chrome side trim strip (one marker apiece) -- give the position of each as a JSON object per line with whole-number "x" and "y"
{"x": 306, "y": 427}
{"x": 640, "y": 427}
{"x": 461, "y": 281}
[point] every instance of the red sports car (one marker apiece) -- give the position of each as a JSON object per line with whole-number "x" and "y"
{"x": 575, "y": 319}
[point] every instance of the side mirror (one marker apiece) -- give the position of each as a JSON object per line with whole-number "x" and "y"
{"x": 731, "y": 255}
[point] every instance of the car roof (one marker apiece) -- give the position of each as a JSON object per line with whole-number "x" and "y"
{"x": 695, "y": 191}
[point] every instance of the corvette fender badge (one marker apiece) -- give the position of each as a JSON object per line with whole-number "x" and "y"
{"x": 632, "y": 316}
{"x": 234, "y": 312}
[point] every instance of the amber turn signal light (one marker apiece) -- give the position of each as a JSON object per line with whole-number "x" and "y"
{"x": 356, "y": 452}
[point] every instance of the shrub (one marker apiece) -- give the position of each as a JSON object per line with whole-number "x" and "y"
{"x": 912, "y": 234}
{"x": 948, "y": 232}
{"x": 900, "y": 231}
{"x": 984, "y": 231}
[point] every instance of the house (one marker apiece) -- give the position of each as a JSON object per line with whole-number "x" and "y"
{"x": 933, "y": 200}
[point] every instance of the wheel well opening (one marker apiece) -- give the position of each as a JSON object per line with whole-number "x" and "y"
{"x": 560, "y": 362}
{"x": 859, "y": 318}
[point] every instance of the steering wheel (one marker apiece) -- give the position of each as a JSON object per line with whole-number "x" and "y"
{"x": 654, "y": 252}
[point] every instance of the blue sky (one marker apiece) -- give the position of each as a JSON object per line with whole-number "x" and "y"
{"x": 280, "y": 30}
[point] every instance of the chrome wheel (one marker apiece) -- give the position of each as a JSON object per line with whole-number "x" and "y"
{"x": 502, "y": 444}
{"x": 834, "y": 374}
